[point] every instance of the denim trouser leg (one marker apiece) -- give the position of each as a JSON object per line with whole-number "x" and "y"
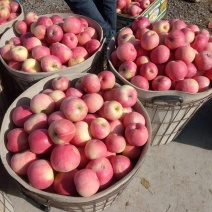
{"x": 89, "y": 9}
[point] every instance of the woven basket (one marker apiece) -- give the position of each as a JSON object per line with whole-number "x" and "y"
{"x": 97, "y": 202}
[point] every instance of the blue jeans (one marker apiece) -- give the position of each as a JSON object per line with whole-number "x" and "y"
{"x": 102, "y": 11}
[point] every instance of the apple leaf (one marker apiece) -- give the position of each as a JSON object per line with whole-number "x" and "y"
{"x": 145, "y": 183}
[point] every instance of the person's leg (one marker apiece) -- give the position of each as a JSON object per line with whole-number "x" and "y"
{"x": 108, "y": 10}
{"x": 89, "y": 9}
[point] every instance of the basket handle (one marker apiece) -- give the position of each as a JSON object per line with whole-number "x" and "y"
{"x": 45, "y": 208}
{"x": 167, "y": 99}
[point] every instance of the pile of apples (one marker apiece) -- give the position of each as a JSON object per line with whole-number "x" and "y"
{"x": 9, "y": 10}
{"x": 77, "y": 137}
{"x": 164, "y": 55}
{"x": 46, "y": 44}
{"x": 132, "y": 8}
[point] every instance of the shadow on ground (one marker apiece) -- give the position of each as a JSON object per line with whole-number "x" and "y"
{"x": 198, "y": 131}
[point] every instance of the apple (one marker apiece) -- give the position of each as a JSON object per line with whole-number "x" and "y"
{"x": 58, "y": 96}
{"x": 40, "y": 174}
{"x": 133, "y": 117}
{"x": 19, "y": 53}
{"x": 115, "y": 60}
{"x": 144, "y": 4}
{"x": 31, "y": 65}
{"x": 39, "y": 31}
{"x": 134, "y": 10}
{"x": 61, "y": 135}
{"x": 107, "y": 79}
{"x": 132, "y": 152}
{"x": 136, "y": 134}
{"x": 80, "y": 51}
{"x": 178, "y": 25}
{"x": 203, "y": 82}
{"x": 140, "y": 22}
{"x": 20, "y": 114}
{"x": 208, "y": 47}
{"x": 44, "y": 20}
{"x": 176, "y": 70}
{"x": 203, "y": 60}
{"x": 38, "y": 52}
{"x": 17, "y": 140}
{"x": 15, "y": 65}
{"x": 20, "y": 27}
{"x": 120, "y": 4}
{"x": 208, "y": 73}
{"x": 42, "y": 103}
{"x": 121, "y": 166}
{"x": 189, "y": 34}
{"x": 20, "y": 161}
{"x": 54, "y": 33}
{"x": 148, "y": 70}
{"x": 74, "y": 109}
{"x": 83, "y": 37}
{"x": 72, "y": 24}
{"x": 194, "y": 28}
{"x": 112, "y": 110}
{"x": 5, "y": 51}
{"x": 93, "y": 32}
{"x": 117, "y": 126}
{"x": 65, "y": 158}
{"x": 4, "y": 12}
{"x": 160, "y": 54}
{"x": 130, "y": 38}
{"x": 50, "y": 63}
{"x": 127, "y": 69}
{"x": 39, "y": 141}
{"x": 187, "y": 85}
{"x": 35, "y": 121}
{"x": 126, "y": 95}
{"x": 91, "y": 83}
{"x": 103, "y": 169}
{"x": 99, "y": 128}
{"x": 161, "y": 26}
{"x": 73, "y": 92}
{"x": 185, "y": 53}
{"x": 56, "y": 19}
{"x": 126, "y": 52}
{"x": 15, "y": 41}
{"x": 30, "y": 42}
{"x": 61, "y": 51}
{"x": 75, "y": 61}
{"x": 200, "y": 42}
{"x": 161, "y": 83}
{"x": 140, "y": 82}
{"x": 60, "y": 83}
{"x": 115, "y": 143}
{"x": 94, "y": 102}
{"x": 70, "y": 40}
{"x": 56, "y": 115}
{"x": 141, "y": 60}
{"x": 124, "y": 31}
{"x": 175, "y": 39}
{"x": 30, "y": 18}
{"x": 95, "y": 148}
{"x": 82, "y": 134}
{"x": 64, "y": 183}
{"x": 15, "y": 7}
{"x": 150, "y": 40}
{"x": 86, "y": 182}
{"x": 191, "y": 70}
{"x": 84, "y": 23}
{"x": 92, "y": 46}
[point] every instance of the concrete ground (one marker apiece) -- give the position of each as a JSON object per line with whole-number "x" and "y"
{"x": 179, "y": 175}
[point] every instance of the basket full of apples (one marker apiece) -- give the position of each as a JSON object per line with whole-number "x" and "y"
{"x": 75, "y": 141}
{"x": 10, "y": 11}
{"x": 169, "y": 63}
{"x": 129, "y": 10}
{"x": 39, "y": 46}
